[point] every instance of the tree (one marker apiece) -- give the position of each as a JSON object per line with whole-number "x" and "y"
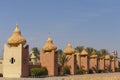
{"x": 89, "y": 50}
{"x": 35, "y": 50}
{"x": 62, "y": 60}
{"x": 103, "y": 52}
{"x": 112, "y": 57}
{"x": 98, "y": 54}
{"x": 59, "y": 52}
{"x": 79, "y": 48}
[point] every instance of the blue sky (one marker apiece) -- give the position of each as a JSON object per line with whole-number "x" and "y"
{"x": 92, "y": 23}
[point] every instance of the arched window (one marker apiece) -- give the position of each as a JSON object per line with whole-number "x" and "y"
{"x": 12, "y": 60}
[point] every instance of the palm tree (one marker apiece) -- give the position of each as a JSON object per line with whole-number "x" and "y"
{"x": 111, "y": 57}
{"x": 62, "y": 60}
{"x": 103, "y": 52}
{"x": 79, "y": 48}
{"x": 98, "y": 54}
{"x": 35, "y": 49}
{"x": 59, "y": 52}
{"x": 89, "y": 50}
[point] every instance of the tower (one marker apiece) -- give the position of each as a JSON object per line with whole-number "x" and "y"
{"x": 101, "y": 63}
{"x": 93, "y": 61}
{"x": 84, "y": 60}
{"x": 78, "y": 59}
{"x": 48, "y": 57}
{"x": 15, "y": 56}
{"x": 113, "y": 61}
{"x": 72, "y": 63}
{"x": 107, "y": 62}
{"x": 116, "y": 60}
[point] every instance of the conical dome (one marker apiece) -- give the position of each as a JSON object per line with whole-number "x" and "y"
{"x": 49, "y": 45}
{"x": 69, "y": 50}
{"x": 84, "y": 52}
{"x": 107, "y": 56}
{"x": 16, "y": 38}
{"x": 93, "y": 54}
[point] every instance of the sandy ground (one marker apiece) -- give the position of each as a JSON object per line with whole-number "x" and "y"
{"x": 102, "y": 76}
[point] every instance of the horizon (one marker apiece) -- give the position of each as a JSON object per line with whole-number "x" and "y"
{"x": 82, "y": 23}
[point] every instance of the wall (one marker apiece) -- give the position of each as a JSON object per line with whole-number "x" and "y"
{"x": 49, "y": 60}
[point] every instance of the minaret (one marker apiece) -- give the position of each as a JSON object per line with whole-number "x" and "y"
{"x": 101, "y": 62}
{"x": 107, "y": 62}
{"x": 113, "y": 62}
{"x": 72, "y": 63}
{"x": 93, "y": 64}
{"x": 116, "y": 60}
{"x": 15, "y": 56}
{"x": 48, "y": 57}
{"x": 84, "y": 60}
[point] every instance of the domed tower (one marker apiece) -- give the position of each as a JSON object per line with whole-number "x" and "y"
{"x": 72, "y": 63}
{"x": 69, "y": 50}
{"x": 107, "y": 62}
{"x": 15, "y": 56}
{"x": 113, "y": 62}
{"x": 93, "y": 64}
{"x": 49, "y": 45}
{"x": 116, "y": 60}
{"x": 84, "y": 61}
{"x": 48, "y": 57}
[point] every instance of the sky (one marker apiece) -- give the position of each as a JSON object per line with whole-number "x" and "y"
{"x": 89, "y": 23}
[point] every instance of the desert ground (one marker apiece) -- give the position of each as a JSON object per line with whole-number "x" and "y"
{"x": 101, "y": 76}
